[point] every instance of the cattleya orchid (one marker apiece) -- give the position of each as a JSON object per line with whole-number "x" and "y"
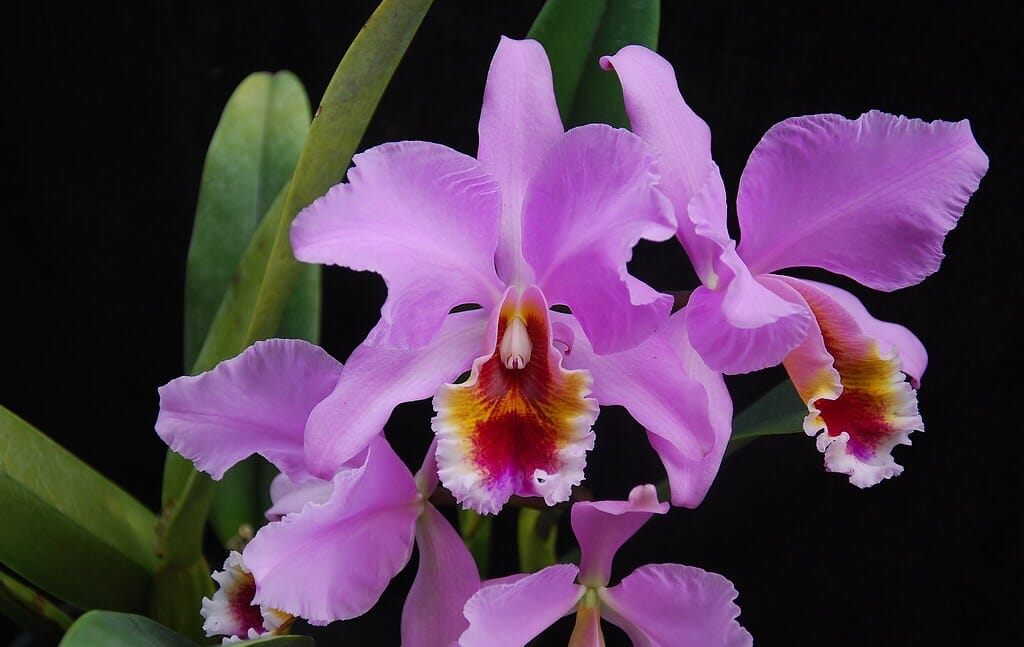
{"x": 333, "y": 544}
{"x": 657, "y": 605}
{"x": 475, "y": 254}
{"x": 870, "y": 198}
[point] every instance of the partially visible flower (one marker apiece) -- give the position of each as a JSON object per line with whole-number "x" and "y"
{"x": 657, "y": 605}
{"x": 871, "y": 198}
{"x": 231, "y": 612}
{"x": 333, "y": 545}
{"x": 475, "y": 254}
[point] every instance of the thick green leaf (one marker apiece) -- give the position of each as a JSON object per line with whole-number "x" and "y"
{"x": 67, "y": 529}
{"x": 576, "y": 34}
{"x": 250, "y": 159}
{"x": 779, "y": 411}
{"x": 475, "y": 530}
{"x": 32, "y": 610}
{"x": 536, "y": 536}
{"x": 113, "y": 629}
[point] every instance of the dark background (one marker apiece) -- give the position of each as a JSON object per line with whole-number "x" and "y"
{"x": 107, "y": 115}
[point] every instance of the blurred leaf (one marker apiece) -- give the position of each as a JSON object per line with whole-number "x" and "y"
{"x": 113, "y": 629}
{"x": 576, "y": 34}
{"x": 67, "y": 529}
{"x": 177, "y": 593}
{"x": 32, "y": 610}
{"x": 537, "y": 534}
{"x": 476, "y": 534}
{"x": 779, "y": 411}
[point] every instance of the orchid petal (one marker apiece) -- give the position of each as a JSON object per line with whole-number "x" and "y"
{"x": 873, "y": 410}
{"x": 519, "y": 122}
{"x": 332, "y": 561}
{"x": 890, "y": 336}
{"x": 658, "y": 114}
{"x": 341, "y": 426}
{"x": 741, "y": 326}
{"x": 256, "y": 402}
{"x": 601, "y": 527}
{"x": 667, "y": 388}
{"x": 871, "y": 198}
{"x": 519, "y": 611}
{"x": 592, "y": 200}
{"x": 665, "y": 605}
{"x": 287, "y": 496}
{"x": 424, "y": 217}
{"x": 445, "y": 580}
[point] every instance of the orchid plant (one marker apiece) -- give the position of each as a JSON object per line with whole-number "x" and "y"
{"x": 511, "y": 307}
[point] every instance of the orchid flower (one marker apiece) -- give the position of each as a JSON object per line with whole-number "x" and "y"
{"x": 475, "y": 253}
{"x": 333, "y": 544}
{"x": 871, "y": 198}
{"x": 657, "y": 605}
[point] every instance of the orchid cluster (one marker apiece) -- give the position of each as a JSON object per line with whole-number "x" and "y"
{"x": 510, "y": 305}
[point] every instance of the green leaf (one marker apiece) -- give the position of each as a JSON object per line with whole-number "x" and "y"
{"x": 67, "y": 529}
{"x": 537, "y": 533}
{"x": 113, "y": 629}
{"x": 476, "y": 534}
{"x": 779, "y": 411}
{"x": 177, "y": 593}
{"x": 576, "y": 34}
{"x": 32, "y": 610}
{"x": 251, "y": 157}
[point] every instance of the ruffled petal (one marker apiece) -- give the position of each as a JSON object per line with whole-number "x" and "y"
{"x": 255, "y": 403}
{"x": 346, "y": 420}
{"x": 601, "y": 527}
{"x": 871, "y": 198}
{"x": 667, "y": 388}
{"x": 421, "y": 215}
{"x": 521, "y": 424}
{"x": 658, "y": 114}
{"x": 519, "y": 122}
{"x": 665, "y": 605}
{"x": 445, "y": 579}
{"x": 331, "y": 561}
{"x": 231, "y": 612}
{"x": 591, "y": 201}
{"x": 875, "y": 408}
{"x": 741, "y": 326}
{"x": 519, "y": 611}
{"x": 890, "y": 336}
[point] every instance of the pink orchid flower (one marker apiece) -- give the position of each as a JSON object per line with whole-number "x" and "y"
{"x": 657, "y": 605}
{"x": 333, "y": 544}
{"x": 541, "y": 218}
{"x": 871, "y": 198}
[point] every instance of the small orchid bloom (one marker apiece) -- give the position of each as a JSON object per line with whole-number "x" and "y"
{"x": 231, "y": 612}
{"x": 475, "y": 253}
{"x": 657, "y": 605}
{"x": 871, "y": 198}
{"x": 333, "y": 545}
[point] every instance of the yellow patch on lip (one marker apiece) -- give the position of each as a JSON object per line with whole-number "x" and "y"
{"x": 520, "y": 425}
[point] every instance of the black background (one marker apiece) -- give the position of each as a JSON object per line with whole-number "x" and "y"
{"x": 107, "y": 115}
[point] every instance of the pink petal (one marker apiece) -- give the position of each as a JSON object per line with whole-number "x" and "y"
{"x": 665, "y": 605}
{"x": 445, "y": 579}
{"x": 421, "y": 215}
{"x": 331, "y": 561}
{"x": 516, "y": 612}
{"x": 519, "y": 122}
{"x": 601, "y": 527}
{"x": 668, "y": 389}
{"x": 659, "y": 115}
{"x": 341, "y": 426}
{"x": 592, "y": 200}
{"x": 890, "y": 336}
{"x": 741, "y": 326}
{"x": 287, "y": 496}
{"x": 256, "y": 402}
{"x": 871, "y": 198}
